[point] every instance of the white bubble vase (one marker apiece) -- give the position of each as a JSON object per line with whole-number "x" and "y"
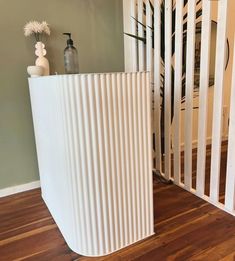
{"x": 42, "y": 60}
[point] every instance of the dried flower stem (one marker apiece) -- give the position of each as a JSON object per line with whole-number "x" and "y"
{"x": 37, "y": 29}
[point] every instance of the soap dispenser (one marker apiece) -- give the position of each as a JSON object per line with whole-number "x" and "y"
{"x": 70, "y": 57}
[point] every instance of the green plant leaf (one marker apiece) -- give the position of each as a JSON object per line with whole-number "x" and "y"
{"x": 138, "y": 22}
{"x": 136, "y": 37}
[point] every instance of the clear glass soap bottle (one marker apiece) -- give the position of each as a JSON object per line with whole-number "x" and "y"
{"x": 70, "y": 57}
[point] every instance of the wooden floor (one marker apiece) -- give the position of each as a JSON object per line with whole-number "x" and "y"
{"x": 187, "y": 228}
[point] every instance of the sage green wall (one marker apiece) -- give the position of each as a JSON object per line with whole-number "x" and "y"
{"x": 96, "y": 26}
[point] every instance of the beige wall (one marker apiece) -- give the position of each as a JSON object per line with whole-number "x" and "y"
{"x": 96, "y": 26}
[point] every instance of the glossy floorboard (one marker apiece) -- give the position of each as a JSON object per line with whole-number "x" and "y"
{"x": 187, "y": 228}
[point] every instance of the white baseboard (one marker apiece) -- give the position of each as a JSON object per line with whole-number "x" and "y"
{"x": 208, "y": 142}
{"x": 20, "y": 188}
{"x": 195, "y": 143}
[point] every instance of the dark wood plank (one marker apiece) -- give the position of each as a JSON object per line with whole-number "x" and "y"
{"x": 186, "y": 227}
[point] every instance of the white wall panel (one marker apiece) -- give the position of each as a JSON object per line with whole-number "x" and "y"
{"x": 157, "y": 83}
{"x": 178, "y": 90}
{"x": 203, "y": 96}
{"x": 189, "y": 87}
{"x": 167, "y": 87}
{"x": 218, "y": 99}
{"x": 93, "y": 136}
{"x": 230, "y": 177}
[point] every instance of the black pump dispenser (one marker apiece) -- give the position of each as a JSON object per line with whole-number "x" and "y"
{"x": 69, "y": 41}
{"x": 70, "y": 56}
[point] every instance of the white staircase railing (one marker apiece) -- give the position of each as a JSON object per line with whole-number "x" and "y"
{"x": 143, "y": 18}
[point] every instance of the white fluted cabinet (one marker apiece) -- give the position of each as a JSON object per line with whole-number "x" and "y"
{"x": 93, "y": 139}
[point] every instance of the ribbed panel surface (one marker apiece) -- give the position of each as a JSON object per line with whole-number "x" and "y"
{"x": 107, "y": 141}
